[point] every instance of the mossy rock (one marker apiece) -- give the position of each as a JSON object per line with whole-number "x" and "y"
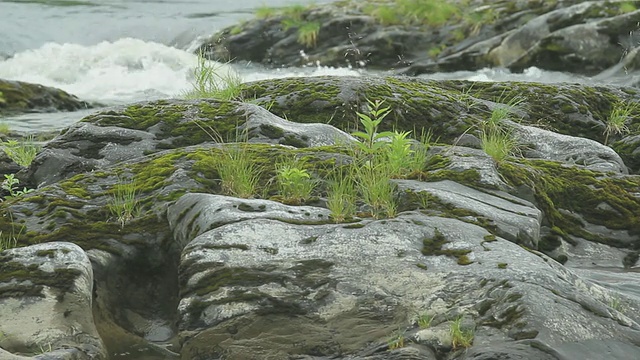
{"x": 572, "y": 199}
{"x": 20, "y": 97}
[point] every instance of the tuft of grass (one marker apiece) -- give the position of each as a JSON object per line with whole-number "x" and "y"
{"x": 374, "y": 184}
{"x": 212, "y": 80}
{"x": 460, "y": 337}
{"x": 123, "y": 205}
{"x": 396, "y": 341}
{"x": 239, "y": 174}
{"x": 5, "y": 129}
{"x": 10, "y": 241}
{"x": 415, "y": 12}
{"x": 496, "y": 138}
{"x": 424, "y": 320}
{"x": 308, "y": 33}
{"x": 294, "y": 182}
{"x": 341, "y": 196}
{"x": 499, "y": 143}
{"x": 264, "y": 12}
{"x": 616, "y": 123}
{"x": 21, "y": 152}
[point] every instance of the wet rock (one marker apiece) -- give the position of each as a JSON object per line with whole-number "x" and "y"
{"x": 571, "y": 36}
{"x": 544, "y": 144}
{"x": 46, "y": 290}
{"x": 20, "y": 97}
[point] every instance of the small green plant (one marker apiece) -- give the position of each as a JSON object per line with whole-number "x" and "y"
{"x": 21, "y": 152}
{"x": 502, "y": 111}
{"x": 124, "y": 204}
{"x": 420, "y": 154}
{"x": 626, "y": 7}
{"x": 238, "y": 171}
{"x": 5, "y": 129}
{"x": 264, "y": 12}
{"x": 399, "y": 154}
{"x": 499, "y": 144}
{"x": 341, "y": 196}
{"x": 424, "y": 320}
{"x": 377, "y": 190}
{"x": 496, "y": 137}
{"x": 10, "y": 184}
{"x": 396, "y": 341}
{"x": 460, "y": 337}
{"x": 615, "y": 303}
{"x": 308, "y": 33}
{"x": 213, "y": 81}
{"x": 620, "y": 114}
{"x": 372, "y": 141}
{"x": 294, "y": 183}
{"x": 9, "y": 241}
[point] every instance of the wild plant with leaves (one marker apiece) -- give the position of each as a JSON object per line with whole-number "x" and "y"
{"x": 21, "y": 152}
{"x": 294, "y": 182}
{"x": 10, "y": 184}
{"x": 371, "y": 140}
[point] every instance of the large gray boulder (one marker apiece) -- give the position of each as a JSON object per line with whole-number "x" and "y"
{"x": 319, "y": 283}
{"x": 46, "y": 303}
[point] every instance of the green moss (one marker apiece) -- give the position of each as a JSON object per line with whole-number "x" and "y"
{"x": 502, "y": 265}
{"x": 73, "y": 187}
{"x": 270, "y": 131}
{"x": 31, "y": 280}
{"x": 48, "y": 253}
{"x": 570, "y": 195}
{"x": 433, "y": 247}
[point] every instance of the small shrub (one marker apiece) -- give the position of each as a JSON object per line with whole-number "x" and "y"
{"x": 21, "y": 152}
{"x": 5, "y": 129}
{"x": 10, "y": 184}
{"x": 372, "y": 141}
{"x": 294, "y": 183}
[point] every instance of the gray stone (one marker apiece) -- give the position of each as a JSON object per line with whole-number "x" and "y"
{"x": 548, "y": 145}
{"x": 48, "y": 311}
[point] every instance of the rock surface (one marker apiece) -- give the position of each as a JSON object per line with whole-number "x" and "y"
{"x": 21, "y": 97}
{"x": 195, "y": 273}
{"x": 584, "y": 37}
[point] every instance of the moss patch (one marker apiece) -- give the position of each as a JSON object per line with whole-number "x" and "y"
{"x": 433, "y": 247}
{"x": 30, "y": 280}
{"x": 568, "y": 196}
